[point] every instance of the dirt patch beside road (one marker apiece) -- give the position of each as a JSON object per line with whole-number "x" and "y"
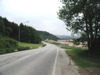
{"x": 89, "y": 71}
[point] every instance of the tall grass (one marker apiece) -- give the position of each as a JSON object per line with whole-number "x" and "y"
{"x": 82, "y": 58}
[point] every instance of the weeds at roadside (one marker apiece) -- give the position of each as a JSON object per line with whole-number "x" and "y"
{"x": 82, "y": 58}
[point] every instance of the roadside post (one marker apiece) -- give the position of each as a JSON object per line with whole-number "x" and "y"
{"x": 69, "y": 59}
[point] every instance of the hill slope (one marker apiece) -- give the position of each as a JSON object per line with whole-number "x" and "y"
{"x": 22, "y": 33}
{"x": 45, "y": 35}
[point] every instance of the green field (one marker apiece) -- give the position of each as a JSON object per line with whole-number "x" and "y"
{"x": 31, "y": 46}
{"x": 82, "y": 58}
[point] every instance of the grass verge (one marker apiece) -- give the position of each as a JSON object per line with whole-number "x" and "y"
{"x": 82, "y": 57}
{"x": 8, "y": 45}
{"x": 31, "y": 46}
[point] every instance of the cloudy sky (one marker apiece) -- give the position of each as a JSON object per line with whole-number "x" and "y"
{"x": 41, "y": 14}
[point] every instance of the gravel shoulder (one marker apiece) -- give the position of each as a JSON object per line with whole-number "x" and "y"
{"x": 63, "y": 67}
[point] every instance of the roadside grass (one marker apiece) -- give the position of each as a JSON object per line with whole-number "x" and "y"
{"x": 54, "y": 43}
{"x": 82, "y": 58}
{"x": 8, "y": 45}
{"x": 31, "y": 46}
{"x": 68, "y": 47}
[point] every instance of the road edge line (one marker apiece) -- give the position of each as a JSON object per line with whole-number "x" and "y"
{"x": 54, "y": 67}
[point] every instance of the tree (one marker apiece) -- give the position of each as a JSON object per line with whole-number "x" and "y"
{"x": 12, "y": 30}
{"x": 15, "y": 30}
{"x": 83, "y": 16}
{"x": 82, "y": 39}
{"x": 28, "y": 34}
{"x": 2, "y": 27}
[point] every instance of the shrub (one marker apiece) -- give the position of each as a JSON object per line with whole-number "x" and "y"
{"x": 7, "y": 45}
{"x": 20, "y": 48}
{"x": 44, "y": 45}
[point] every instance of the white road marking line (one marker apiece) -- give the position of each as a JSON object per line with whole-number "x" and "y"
{"x": 54, "y": 67}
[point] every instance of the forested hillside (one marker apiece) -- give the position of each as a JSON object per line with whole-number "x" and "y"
{"x": 21, "y": 33}
{"x": 45, "y": 35}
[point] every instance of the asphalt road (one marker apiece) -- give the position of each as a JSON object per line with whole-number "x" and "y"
{"x": 40, "y": 61}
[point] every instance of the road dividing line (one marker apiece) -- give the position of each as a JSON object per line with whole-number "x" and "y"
{"x": 54, "y": 67}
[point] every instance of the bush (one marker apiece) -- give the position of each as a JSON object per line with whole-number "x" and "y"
{"x": 20, "y": 48}
{"x": 7, "y": 45}
{"x": 44, "y": 45}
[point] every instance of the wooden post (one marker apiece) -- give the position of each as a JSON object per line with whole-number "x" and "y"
{"x": 69, "y": 59}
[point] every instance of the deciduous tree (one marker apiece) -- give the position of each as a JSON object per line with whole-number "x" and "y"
{"x": 83, "y": 16}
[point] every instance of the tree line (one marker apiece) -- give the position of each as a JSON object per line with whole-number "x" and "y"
{"x": 83, "y": 17}
{"x": 20, "y": 32}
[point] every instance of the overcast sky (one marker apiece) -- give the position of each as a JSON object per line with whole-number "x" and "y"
{"x": 41, "y": 14}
